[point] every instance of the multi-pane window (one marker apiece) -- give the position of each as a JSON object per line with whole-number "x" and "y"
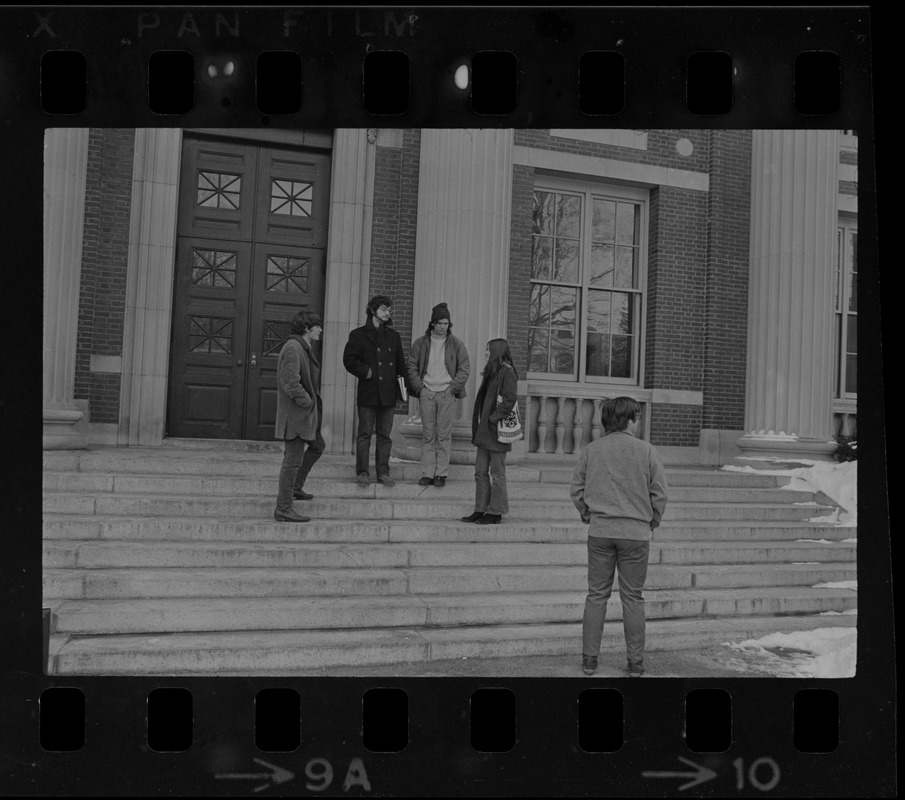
{"x": 586, "y": 283}
{"x": 846, "y": 308}
{"x": 218, "y": 190}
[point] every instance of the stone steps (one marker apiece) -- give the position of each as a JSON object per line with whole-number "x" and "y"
{"x": 121, "y": 554}
{"x": 311, "y": 652}
{"x": 387, "y": 507}
{"x": 219, "y": 464}
{"x": 167, "y": 560}
{"x": 93, "y": 583}
{"x": 227, "y": 613}
{"x": 224, "y": 528}
{"x": 461, "y": 491}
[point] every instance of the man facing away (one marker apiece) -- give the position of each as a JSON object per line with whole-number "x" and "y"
{"x": 619, "y": 488}
{"x": 374, "y": 355}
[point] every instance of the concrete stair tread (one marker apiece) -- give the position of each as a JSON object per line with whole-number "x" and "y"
{"x": 149, "y": 606}
{"x": 262, "y": 573}
{"x": 312, "y": 652}
{"x": 217, "y": 463}
{"x": 255, "y": 639}
{"x": 225, "y": 486}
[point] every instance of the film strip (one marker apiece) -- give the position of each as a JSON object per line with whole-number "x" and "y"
{"x": 350, "y": 729}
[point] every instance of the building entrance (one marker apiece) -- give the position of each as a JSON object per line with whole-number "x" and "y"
{"x": 250, "y": 254}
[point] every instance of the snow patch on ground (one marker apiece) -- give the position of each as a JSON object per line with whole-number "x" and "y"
{"x": 818, "y": 653}
{"x": 837, "y": 585}
{"x": 837, "y": 481}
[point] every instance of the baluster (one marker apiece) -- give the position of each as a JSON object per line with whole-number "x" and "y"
{"x": 560, "y": 424}
{"x": 577, "y": 431}
{"x": 542, "y": 425}
{"x": 595, "y": 421}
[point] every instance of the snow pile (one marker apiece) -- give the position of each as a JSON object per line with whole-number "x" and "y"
{"x": 818, "y": 653}
{"x": 837, "y": 585}
{"x": 837, "y": 481}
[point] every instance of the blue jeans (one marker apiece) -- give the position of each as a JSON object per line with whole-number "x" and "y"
{"x": 491, "y": 492}
{"x": 370, "y": 417}
{"x": 604, "y": 557}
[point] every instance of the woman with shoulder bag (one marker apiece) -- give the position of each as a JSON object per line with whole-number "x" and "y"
{"x": 495, "y": 401}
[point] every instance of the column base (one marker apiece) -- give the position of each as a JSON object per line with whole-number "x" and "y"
{"x": 64, "y": 429}
{"x": 783, "y": 446}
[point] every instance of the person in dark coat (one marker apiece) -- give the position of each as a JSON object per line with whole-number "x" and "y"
{"x": 495, "y": 399}
{"x": 298, "y": 420}
{"x": 374, "y": 355}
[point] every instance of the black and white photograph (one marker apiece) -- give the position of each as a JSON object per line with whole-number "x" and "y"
{"x": 446, "y": 402}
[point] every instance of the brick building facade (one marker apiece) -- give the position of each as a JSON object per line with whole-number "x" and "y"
{"x": 614, "y": 261}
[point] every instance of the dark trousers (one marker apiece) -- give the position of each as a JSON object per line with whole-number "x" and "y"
{"x": 604, "y": 557}
{"x": 491, "y": 491}
{"x": 298, "y": 458}
{"x": 369, "y": 418}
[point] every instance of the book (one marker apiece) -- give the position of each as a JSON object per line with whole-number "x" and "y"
{"x": 402, "y": 394}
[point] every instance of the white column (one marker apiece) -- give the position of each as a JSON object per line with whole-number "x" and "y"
{"x": 788, "y": 404}
{"x": 65, "y": 173}
{"x": 348, "y": 273}
{"x": 462, "y": 252}
{"x": 149, "y": 286}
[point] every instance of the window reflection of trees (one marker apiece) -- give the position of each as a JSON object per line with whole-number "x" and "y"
{"x": 555, "y": 306}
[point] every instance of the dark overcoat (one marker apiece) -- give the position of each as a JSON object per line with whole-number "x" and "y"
{"x": 298, "y": 376}
{"x": 378, "y": 349}
{"x": 488, "y": 412}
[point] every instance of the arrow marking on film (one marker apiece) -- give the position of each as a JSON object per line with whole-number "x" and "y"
{"x": 276, "y": 775}
{"x": 701, "y": 774}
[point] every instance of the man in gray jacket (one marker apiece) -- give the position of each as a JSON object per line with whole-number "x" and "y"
{"x": 298, "y": 413}
{"x": 619, "y": 488}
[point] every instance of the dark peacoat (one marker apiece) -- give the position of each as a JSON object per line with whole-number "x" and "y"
{"x": 487, "y": 412}
{"x": 378, "y": 349}
{"x": 298, "y": 375}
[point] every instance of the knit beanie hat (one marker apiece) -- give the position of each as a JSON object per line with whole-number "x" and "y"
{"x": 440, "y": 311}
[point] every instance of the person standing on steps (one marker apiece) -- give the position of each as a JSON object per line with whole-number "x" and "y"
{"x": 374, "y": 355}
{"x": 299, "y": 410}
{"x": 495, "y": 399}
{"x": 438, "y": 368}
{"x": 619, "y": 488}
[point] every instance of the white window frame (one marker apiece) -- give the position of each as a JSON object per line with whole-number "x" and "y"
{"x": 846, "y": 226}
{"x": 589, "y": 190}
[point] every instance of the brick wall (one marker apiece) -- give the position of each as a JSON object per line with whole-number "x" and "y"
{"x": 393, "y": 233}
{"x": 661, "y": 148}
{"x": 726, "y": 293}
{"x": 520, "y": 271}
{"x": 104, "y": 258}
{"x": 674, "y": 345}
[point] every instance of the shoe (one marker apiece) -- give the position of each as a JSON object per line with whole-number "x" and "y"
{"x": 364, "y": 479}
{"x": 425, "y": 481}
{"x": 635, "y": 670}
{"x": 289, "y": 516}
{"x": 386, "y": 480}
{"x": 473, "y": 517}
{"x": 489, "y": 519}
{"x": 301, "y": 494}
{"x": 588, "y": 664}
{"x": 440, "y": 481}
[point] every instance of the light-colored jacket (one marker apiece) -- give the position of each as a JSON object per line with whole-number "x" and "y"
{"x": 619, "y": 487}
{"x": 298, "y": 374}
{"x": 455, "y": 357}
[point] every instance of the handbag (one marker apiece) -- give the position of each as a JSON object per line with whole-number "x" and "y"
{"x": 509, "y": 429}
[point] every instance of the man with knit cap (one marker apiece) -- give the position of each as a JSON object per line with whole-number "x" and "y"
{"x": 438, "y": 368}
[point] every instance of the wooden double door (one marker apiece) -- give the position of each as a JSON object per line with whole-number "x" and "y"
{"x": 250, "y": 254}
